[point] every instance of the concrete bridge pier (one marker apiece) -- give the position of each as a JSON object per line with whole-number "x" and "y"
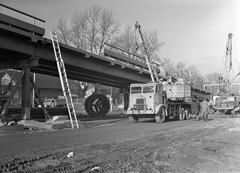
{"x": 25, "y": 106}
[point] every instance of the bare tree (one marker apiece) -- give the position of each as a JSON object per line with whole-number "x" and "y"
{"x": 193, "y": 76}
{"x": 89, "y": 29}
{"x": 212, "y": 78}
{"x": 179, "y": 70}
{"x": 108, "y": 27}
{"x": 152, "y": 42}
{"x": 63, "y": 31}
{"x": 131, "y": 42}
{"x": 79, "y": 24}
{"x": 125, "y": 40}
{"x": 93, "y": 19}
{"x": 168, "y": 67}
{"x": 199, "y": 82}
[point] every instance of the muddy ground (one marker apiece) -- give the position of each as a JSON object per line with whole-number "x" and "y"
{"x": 120, "y": 146}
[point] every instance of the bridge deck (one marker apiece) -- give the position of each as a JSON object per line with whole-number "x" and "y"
{"x": 21, "y": 41}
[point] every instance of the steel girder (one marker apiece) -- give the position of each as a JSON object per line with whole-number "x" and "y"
{"x": 80, "y": 65}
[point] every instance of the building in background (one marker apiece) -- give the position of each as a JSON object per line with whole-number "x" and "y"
{"x": 48, "y": 87}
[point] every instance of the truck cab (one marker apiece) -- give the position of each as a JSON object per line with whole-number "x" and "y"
{"x": 227, "y": 104}
{"x": 49, "y": 103}
{"x": 145, "y": 100}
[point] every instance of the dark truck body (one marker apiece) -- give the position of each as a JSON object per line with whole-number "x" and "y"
{"x": 227, "y": 104}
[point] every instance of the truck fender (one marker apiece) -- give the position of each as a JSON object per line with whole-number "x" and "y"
{"x": 158, "y": 108}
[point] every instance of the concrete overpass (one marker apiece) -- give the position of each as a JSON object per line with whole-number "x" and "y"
{"x": 24, "y": 47}
{"x": 23, "y": 44}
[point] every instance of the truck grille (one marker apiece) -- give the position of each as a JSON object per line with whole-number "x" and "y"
{"x": 140, "y": 104}
{"x": 223, "y": 105}
{"x": 140, "y": 101}
{"x": 139, "y": 107}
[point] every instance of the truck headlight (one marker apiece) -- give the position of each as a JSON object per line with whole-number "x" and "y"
{"x": 149, "y": 108}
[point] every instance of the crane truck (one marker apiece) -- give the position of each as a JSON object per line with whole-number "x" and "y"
{"x": 226, "y": 102}
{"x": 162, "y": 98}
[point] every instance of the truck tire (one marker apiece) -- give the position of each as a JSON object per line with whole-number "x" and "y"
{"x": 133, "y": 118}
{"x": 97, "y": 105}
{"x": 187, "y": 113}
{"x": 161, "y": 115}
{"x": 182, "y": 115}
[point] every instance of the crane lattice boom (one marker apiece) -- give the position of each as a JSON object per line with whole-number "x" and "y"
{"x": 227, "y": 63}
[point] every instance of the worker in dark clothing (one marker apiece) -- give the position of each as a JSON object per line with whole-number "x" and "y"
{"x": 205, "y": 109}
{"x": 195, "y": 108}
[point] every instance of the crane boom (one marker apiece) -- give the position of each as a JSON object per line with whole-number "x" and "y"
{"x": 151, "y": 68}
{"x": 224, "y": 79}
{"x": 227, "y": 63}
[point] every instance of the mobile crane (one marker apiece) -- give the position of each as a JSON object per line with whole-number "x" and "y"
{"x": 226, "y": 101}
{"x": 162, "y": 98}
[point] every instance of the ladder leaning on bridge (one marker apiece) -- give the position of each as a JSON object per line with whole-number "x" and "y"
{"x": 64, "y": 80}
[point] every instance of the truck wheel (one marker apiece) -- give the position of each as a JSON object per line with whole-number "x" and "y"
{"x": 187, "y": 113}
{"x": 182, "y": 115}
{"x": 161, "y": 115}
{"x": 133, "y": 118}
{"x": 97, "y": 105}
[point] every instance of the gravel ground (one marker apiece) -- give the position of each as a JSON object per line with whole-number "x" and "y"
{"x": 186, "y": 146}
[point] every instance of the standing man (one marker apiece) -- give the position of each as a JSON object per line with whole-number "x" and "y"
{"x": 205, "y": 109}
{"x": 195, "y": 108}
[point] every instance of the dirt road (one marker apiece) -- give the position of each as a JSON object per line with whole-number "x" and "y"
{"x": 175, "y": 146}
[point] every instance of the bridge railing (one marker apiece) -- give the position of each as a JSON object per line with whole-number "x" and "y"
{"x": 126, "y": 54}
{"x": 128, "y": 57}
{"x": 10, "y": 22}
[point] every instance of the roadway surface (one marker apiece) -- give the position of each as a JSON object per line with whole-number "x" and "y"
{"x": 120, "y": 146}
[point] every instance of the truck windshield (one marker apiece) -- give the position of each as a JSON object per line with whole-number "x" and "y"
{"x": 135, "y": 90}
{"x": 230, "y": 99}
{"x": 148, "y": 89}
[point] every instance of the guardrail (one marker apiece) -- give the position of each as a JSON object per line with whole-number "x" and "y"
{"x": 13, "y": 23}
{"x": 128, "y": 57}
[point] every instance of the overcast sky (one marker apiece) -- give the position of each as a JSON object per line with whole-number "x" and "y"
{"x": 195, "y": 31}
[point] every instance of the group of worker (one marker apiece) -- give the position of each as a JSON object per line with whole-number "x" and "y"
{"x": 202, "y": 108}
